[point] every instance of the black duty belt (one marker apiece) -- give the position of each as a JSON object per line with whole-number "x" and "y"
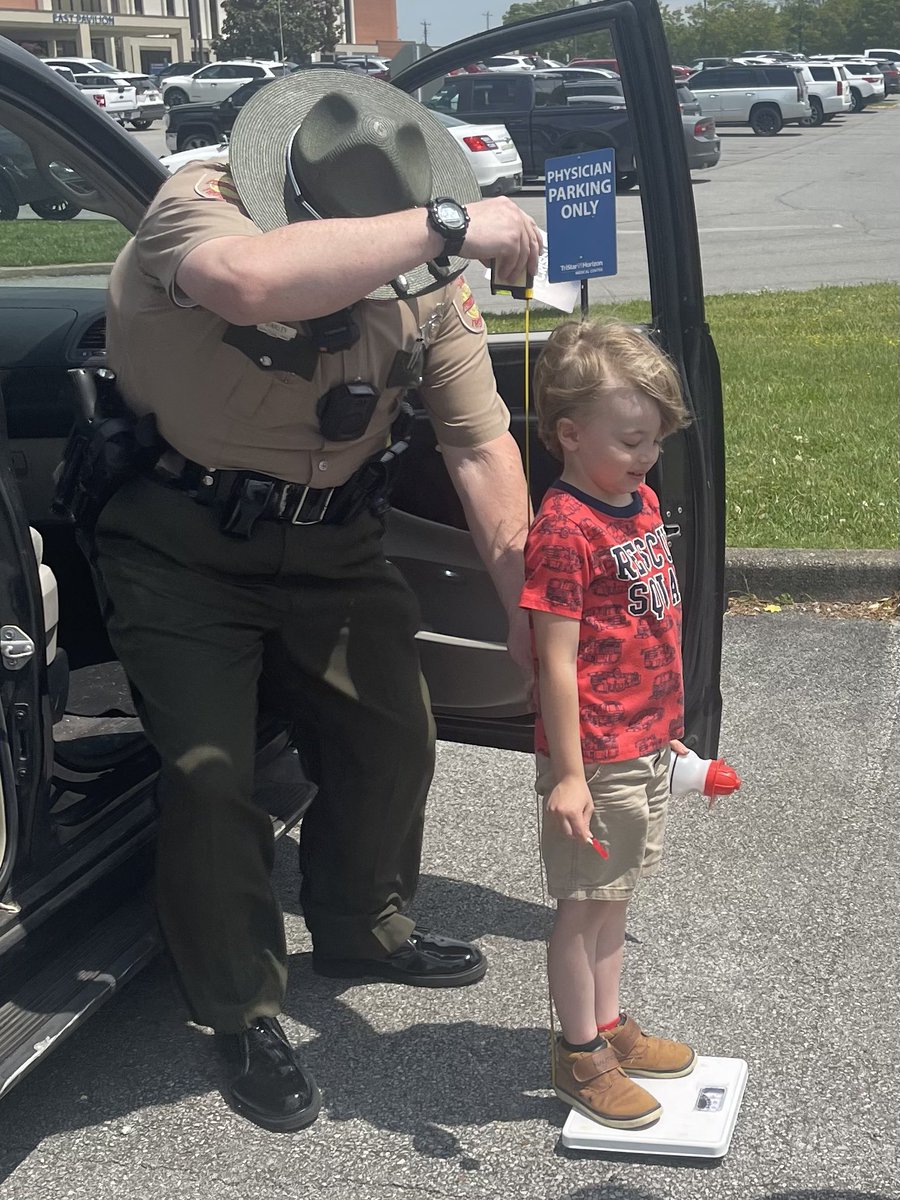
{"x": 244, "y": 497}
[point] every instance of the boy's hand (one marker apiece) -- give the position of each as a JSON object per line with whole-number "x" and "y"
{"x": 679, "y": 747}
{"x": 571, "y": 806}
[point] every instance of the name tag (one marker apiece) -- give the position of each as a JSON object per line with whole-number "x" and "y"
{"x": 276, "y": 329}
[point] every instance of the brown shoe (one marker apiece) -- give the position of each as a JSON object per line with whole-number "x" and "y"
{"x": 650, "y": 1057}
{"x": 593, "y": 1082}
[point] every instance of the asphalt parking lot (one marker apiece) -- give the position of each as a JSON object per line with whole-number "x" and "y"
{"x": 771, "y": 935}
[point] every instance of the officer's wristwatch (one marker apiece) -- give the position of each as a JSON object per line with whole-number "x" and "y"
{"x": 451, "y": 221}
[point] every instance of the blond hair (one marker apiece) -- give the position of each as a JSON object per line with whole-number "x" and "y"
{"x": 582, "y": 359}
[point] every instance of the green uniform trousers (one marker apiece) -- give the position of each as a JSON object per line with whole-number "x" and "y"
{"x": 310, "y": 622}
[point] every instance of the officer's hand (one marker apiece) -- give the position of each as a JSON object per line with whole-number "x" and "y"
{"x": 499, "y": 230}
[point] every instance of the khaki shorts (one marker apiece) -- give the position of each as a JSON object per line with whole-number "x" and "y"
{"x": 631, "y": 801}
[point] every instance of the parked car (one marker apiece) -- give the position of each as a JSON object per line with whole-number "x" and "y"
{"x": 608, "y": 64}
{"x": 866, "y": 81}
{"x": 22, "y": 183}
{"x": 702, "y": 64}
{"x": 578, "y": 73}
{"x": 77, "y": 813}
{"x": 764, "y": 97}
{"x": 183, "y": 67}
{"x": 891, "y": 72}
{"x": 491, "y": 152}
{"x": 65, "y": 72}
{"x": 149, "y": 103}
{"x": 511, "y": 62}
{"x": 378, "y": 68}
{"x": 880, "y": 54}
{"x": 81, "y": 66}
{"x": 218, "y": 80}
{"x": 113, "y": 93}
{"x": 829, "y": 91}
{"x": 190, "y": 126}
{"x": 546, "y": 116}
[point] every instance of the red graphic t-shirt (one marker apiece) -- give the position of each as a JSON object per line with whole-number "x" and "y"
{"x": 612, "y": 570}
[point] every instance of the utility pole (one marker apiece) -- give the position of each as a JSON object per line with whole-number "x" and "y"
{"x": 487, "y": 19}
{"x": 425, "y": 32}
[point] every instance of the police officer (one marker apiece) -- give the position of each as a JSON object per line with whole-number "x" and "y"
{"x": 272, "y": 312}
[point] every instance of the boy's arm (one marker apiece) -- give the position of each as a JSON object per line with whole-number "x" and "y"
{"x": 556, "y": 640}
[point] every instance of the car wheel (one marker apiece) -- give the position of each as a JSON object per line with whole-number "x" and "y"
{"x": 856, "y": 101}
{"x": 765, "y": 120}
{"x": 817, "y": 113}
{"x": 55, "y": 210}
{"x": 828, "y": 117}
{"x": 198, "y": 138}
{"x": 626, "y": 180}
{"x": 176, "y": 96}
{"x": 9, "y": 205}
{"x": 142, "y": 125}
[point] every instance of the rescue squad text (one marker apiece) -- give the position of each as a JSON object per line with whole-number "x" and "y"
{"x": 578, "y": 184}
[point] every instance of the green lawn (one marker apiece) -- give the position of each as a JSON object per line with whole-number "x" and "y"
{"x": 810, "y": 386}
{"x": 40, "y": 243}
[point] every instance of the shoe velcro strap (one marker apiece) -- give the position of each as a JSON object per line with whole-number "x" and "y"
{"x": 626, "y": 1037}
{"x": 589, "y": 1066}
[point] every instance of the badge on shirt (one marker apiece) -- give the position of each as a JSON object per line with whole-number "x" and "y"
{"x": 217, "y": 187}
{"x": 464, "y": 303}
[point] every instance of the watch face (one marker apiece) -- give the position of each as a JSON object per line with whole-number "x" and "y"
{"x": 450, "y": 215}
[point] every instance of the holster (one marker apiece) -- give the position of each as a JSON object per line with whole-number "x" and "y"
{"x": 107, "y": 446}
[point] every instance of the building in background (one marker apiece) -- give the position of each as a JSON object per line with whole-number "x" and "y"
{"x": 133, "y": 35}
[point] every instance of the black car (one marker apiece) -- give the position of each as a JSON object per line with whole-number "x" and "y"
{"x": 77, "y": 815}
{"x": 191, "y": 125}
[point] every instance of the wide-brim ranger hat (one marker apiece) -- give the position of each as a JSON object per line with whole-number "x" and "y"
{"x": 321, "y": 144}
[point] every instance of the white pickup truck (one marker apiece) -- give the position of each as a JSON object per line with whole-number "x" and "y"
{"x": 113, "y": 94}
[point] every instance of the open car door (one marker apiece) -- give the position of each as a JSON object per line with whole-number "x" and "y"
{"x": 477, "y": 692}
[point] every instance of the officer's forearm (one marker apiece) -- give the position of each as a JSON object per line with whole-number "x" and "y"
{"x": 491, "y": 485}
{"x": 305, "y": 270}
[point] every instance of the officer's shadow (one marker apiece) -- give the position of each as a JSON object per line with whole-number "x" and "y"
{"x": 421, "y": 1079}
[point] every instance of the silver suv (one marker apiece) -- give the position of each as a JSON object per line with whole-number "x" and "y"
{"x": 764, "y": 97}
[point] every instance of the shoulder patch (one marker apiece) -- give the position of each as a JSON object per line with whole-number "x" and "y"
{"x": 216, "y": 187}
{"x": 467, "y": 309}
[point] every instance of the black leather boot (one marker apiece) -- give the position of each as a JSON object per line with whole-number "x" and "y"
{"x": 424, "y": 960}
{"x": 266, "y": 1083}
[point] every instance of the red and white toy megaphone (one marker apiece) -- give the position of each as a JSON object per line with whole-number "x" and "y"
{"x": 712, "y": 777}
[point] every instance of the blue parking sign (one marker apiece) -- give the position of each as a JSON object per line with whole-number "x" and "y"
{"x": 581, "y": 215}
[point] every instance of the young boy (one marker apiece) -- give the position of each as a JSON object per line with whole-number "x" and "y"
{"x": 606, "y": 614}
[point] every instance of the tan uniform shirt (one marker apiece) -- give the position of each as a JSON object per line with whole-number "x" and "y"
{"x": 218, "y": 407}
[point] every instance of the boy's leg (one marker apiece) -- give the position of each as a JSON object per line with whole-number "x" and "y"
{"x": 608, "y": 955}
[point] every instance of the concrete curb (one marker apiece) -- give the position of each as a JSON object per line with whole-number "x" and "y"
{"x": 63, "y": 269}
{"x": 842, "y": 575}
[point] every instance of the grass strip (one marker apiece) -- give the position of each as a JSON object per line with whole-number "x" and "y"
{"x": 810, "y": 386}
{"x": 45, "y": 243}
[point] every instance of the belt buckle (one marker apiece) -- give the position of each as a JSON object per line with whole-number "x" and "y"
{"x": 318, "y": 516}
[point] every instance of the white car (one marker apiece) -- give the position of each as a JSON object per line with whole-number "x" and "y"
{"x": 218, "y": 80}
{"x": 829, "y": 91}
{"x": 866, "y": 83}
{"x": 81, "y": 66}
{"x": 511, "y": 62}
{"x": 149, "y": 105}
{"x": 491, "y": 152}
{"x": 764, "y": 97}
{"x": 113, "y": 93}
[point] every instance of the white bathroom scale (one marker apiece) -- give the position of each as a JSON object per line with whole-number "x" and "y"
{"x": 700, "y": 1112}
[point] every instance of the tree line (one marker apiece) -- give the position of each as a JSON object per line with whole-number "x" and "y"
{"x": 259, "y": 28}
{"x": 728, "y": 27}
